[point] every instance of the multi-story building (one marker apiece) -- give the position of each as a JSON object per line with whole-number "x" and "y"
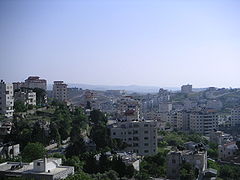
{"x": 219, "y": 137}
{"x": 235, "y": 116}
{"x": 175, "y": 159}
{"x": 28, "y": 97}
{"x": 6, "y": 99}
{"x": 60, "y": 91}
{"x": 141, "y": 136}
{"x": 203, "y": 122}
{"x": 35, "y": 82}
{"x": 186, "y": 88}
{"x": 227, "y": 150}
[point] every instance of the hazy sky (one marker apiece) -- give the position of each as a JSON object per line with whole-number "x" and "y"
{"x": 163, "y": 43}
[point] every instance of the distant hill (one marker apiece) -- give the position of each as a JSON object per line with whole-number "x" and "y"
{"x": 130, "y": 88}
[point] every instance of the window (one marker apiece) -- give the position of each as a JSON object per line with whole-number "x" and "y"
{"x": 145, "y": 144}
{"x": 146, "y": 138}
{"x": 146, "y": 132}
{"x": 114, "y": 133}
{"x": 146, "y": 151}
{"x": 173, "y": 161}
{"x": 38, "y": 164}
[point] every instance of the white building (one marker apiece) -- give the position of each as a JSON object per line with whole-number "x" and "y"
{"x": 141, "y": 136}
{"x": 6, "y": 99}
{"x": 41, "y": 169}
{"x": 203, "y": 122}
{"x": 165, "y": 107}
{"x": 235, "y": 116}
{"x": 220, "y": 137}
{"x": 186, "y": 88}
{"x": 28, "y": 97}
{"x": 60, "y": 91}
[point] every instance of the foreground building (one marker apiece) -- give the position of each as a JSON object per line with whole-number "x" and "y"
{"x": 60, "y": 91}
{"x": 6, "y": 99}
{"x": 41, "y": 169}
{"x": 197, "y": 157}
{"x": 141, "y": 136}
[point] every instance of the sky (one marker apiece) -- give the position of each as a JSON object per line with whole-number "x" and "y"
{"x": 163, "y": 43}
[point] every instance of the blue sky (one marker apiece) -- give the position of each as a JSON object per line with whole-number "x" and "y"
{"x": 163, "y": 43}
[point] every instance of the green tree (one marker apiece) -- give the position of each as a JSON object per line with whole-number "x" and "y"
{"x": 33, "y": 151}
{"x": 40, "y": 96}
{"x": 19, "y": 106}
{"x": 97, "y": 117}
{"x": 76, "y": 162}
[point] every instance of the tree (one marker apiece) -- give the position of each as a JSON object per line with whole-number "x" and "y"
{"x": 104, "y": 163}
{"x": 40, "y": 96}
{"x": 19, "y": 106}
{"x": 54, "y": 133}
{"x": 101, "y": 136}
{"x": 119, "y": 166}
{"x": 186, "y": 172}
{"x": 97, "y": 117}
{"x": 76, "y": 148}
{"x": 76, "y": 162}
{"x": 33, "y": 151}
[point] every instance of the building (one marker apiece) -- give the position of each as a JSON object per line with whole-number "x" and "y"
{"x": 9, "y": 150}
{"x": 220, "y": 137}
{"x": 197, "y": 158}
{"x": 28, "y": 97}
{"x": 203, "y": 122}
{"x": 60, "y": 91}
{"x": 227, "y": 150}
{"x": 127, "y": 157}
{"x": 165, "y": 107}
{"x": 6, "y": 99}
{"x": 186, "y": 88}
{"x": 140, "y": 136}
{"x": 35, "y": 82}
{"x": 235, "y": 116}
{"x": 41, "y": 169}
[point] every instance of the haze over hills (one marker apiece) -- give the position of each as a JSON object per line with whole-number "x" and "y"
{"x": 129, "y": 88}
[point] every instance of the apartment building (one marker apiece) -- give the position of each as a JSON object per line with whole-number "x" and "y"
{"x": 60, "y": 91}
{"x": 203, "y": 122}
{"x": 235, "y": 116}
{"x": 186, "y": 88}
{"x": 28, "y": 97}
{"x": 35, "y": 82}
{"x": 6, "y": 99}
{"x": 197, "y": 158}
{"x": 141, "y": 136}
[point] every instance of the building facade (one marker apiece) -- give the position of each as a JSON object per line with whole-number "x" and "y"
{"x": 140, "y": 136}
{"x": 6, "y": 99}
{"x": 235, "y": 116}
{"x": 60, "y": 91}
{"x": 35, "y": 82}
{"x": 186, "y": 88}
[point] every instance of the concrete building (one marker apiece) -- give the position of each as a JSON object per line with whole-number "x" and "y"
{"x": 227, "y": 150}
{"x": 175, "y": 159}
{"x": 141, "y": 136}
{"x": 186, "y": 88}
{"x": 220, "y": 137}
{"x": 41, "y": 169}
{"x": 60, "y": 91}
{"x": 35, "y": 82}
{"x": 165, "y": 107}
{"x": 203, "y": 122}
{"x": 28, "y": 97}
{"x": 235, "y": 116}
{"x": 6, "y": 99}
{"x": 9, "y": 150}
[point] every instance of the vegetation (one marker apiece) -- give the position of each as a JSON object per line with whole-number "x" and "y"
{"x": 33, "y": 151}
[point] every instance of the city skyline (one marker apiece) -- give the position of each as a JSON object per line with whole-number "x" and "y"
{"x": 148, "y": 43}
